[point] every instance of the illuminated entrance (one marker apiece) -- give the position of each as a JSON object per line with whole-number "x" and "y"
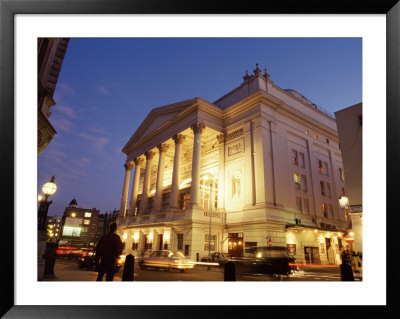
{"x": 311, "y": 255}
{"x": 235, "y": 244}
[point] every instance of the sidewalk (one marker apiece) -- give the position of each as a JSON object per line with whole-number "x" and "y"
{"x": 69, "y": 272}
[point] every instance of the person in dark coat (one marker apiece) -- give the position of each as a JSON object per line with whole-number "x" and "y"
{"x": 108, "y": 250}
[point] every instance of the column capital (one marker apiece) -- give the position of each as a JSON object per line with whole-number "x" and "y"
{"x": 221, "y": 138}
{"x": 178, "y": 138}
{"x": 149, "y": 155}
{"x": 198, "y": 128}
{"x": 163, "y": 147}
{"x": 128, "y": 166}
{"x": 138, "y": 161}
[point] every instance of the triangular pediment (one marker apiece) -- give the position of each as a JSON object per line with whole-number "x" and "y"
{"x": 158, "y": 117}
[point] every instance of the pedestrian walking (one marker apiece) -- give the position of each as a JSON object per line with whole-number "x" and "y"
{"x": 108, "y": 249}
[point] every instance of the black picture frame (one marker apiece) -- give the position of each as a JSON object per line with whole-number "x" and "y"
{"x": 8, "y": 10}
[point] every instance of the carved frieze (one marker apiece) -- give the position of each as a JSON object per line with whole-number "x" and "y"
{"x": 234, "y": 134}
{"x": 236, "y": 147}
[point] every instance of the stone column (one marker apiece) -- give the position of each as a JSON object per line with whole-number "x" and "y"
{"x": 138, "y": 162}
{"x": 178, "y": 139}
{"x": 124, "y": 197}
{"x": 221, "y": 170}
{"x": 197, "y": 128}
{"x": 146, "y": 184}
{"x": 162, "y": 148}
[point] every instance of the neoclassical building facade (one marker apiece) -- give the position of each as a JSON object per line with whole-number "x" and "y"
{"x": 260, "y": 166}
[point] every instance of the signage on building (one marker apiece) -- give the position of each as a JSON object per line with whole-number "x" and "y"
{"x": 72, "y": 231}
{"x": 349, "y": 239}
{"x": 69, "y": 221}
{"x": 328, "y": 226}
{"x": 355, "y": 208}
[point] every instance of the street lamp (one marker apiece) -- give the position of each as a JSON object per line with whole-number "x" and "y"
{"x": 49, "y": 256}
{"x": 48, "y": 189}
{"x": 344, "y": 204}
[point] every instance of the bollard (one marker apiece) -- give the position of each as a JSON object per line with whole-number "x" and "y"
{"x": 50, "y": 259}
{"x": 346, "y": 273}
{"x": 129, "y": 268}
{"x": 197, "y": 257}
{"x": 229, "y": 271}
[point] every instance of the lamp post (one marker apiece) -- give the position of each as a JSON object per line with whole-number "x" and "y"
{"x": 48, "y": 189}
{"x": 344, "y": 204}
{"x": 49, "y": 255}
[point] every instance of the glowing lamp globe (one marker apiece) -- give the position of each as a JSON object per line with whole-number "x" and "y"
{"x": 343, "y": 201}
{"x": 49, "y": 188}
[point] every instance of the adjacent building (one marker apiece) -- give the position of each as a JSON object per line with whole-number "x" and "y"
{"x": 53, "y": 226}
{"x": 261, "y": 166}
{"x": 51, "y": 52}
{"x": 79, "y": 225}
{"x": 349, "y": 124}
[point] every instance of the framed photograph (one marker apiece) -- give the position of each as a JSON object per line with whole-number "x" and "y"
{"x": 376, "y": 23}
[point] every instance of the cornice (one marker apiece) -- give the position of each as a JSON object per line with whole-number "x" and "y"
{"x": 279, "y": 106}
{"x": 301, "y": 101}
{"x": 197, "y": 104}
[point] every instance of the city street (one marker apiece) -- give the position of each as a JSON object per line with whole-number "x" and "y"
{"x": 67, "y": 270}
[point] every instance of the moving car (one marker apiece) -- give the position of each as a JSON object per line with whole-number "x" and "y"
{"x": 166, "y": 259}
{"x": 90, "y": 261}
{"x": 270, "y": 260}
{"x": 217, "y": 257}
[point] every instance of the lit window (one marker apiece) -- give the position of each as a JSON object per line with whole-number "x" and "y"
{"x": 315, "y": 136}
{"x": 86, "y": 222}
{"x": 88, "y": 215}
{"x": 207, "y": 241}
{"x": 296, "y": 178}
{"x": 306, "y": 132}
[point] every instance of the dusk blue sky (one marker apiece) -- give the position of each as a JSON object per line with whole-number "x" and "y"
{"x": 107, "y": 87}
